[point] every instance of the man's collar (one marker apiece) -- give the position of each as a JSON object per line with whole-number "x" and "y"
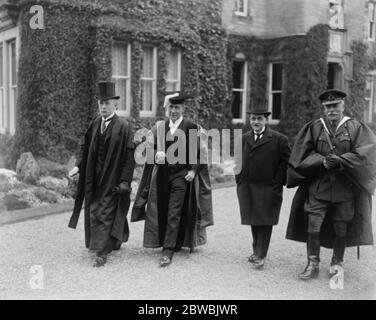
{"x": 261, "y": 132}
{"x": 176, "y": 123}
{"x": 109, "y": 117}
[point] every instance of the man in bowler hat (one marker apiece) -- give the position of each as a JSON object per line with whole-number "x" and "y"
{"x": 260, "y": 173}
{"x": 333, "y": 163}
{"x": 105, "y": 167}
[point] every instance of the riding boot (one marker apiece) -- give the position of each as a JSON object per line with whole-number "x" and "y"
{"x": 311, "y": 271}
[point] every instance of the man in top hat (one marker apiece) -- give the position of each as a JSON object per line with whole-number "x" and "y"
{"x": 333, "y": 163}
{"x": 105, "y": 166}
{"x": 174, "y": 195}
{"x": 260, "y": 173}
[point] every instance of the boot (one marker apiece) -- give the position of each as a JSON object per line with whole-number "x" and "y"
{"x": 339, "y": 247}
{"x": 311, "y": 271}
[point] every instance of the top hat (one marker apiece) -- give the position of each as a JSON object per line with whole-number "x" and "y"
{"x": 106, "y": 91}
{"x": 259, "y": 106}
{"x": 332, "y": 96}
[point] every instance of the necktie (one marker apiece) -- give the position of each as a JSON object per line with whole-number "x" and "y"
{"x": 258, "y": 136}
{"x": 103, "y": 125}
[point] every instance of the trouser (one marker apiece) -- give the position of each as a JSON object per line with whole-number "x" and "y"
{"x": 261, "y": 239}
{"x": 174, "y": 195}
{"x": 342, "y": 213}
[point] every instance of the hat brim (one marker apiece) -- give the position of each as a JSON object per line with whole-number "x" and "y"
{"x": 325, "y": 103}
{"x": 107, "y": 98}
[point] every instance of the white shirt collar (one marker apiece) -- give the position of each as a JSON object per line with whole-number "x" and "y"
{"x": 109, "y": 117}
{"x": 176, "y": 123}
{"x": 261, "y": 132}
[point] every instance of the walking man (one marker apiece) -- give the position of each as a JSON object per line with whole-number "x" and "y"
{"x": 260, "y": 175}
{"x": 105, "y": 166}
{"x": 176, "y": 189}
{"x": 334, "y": 163}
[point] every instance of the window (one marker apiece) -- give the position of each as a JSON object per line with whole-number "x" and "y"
{"x": 148, "y": 81}
{"x": 239, "y": 90}
{"x": 241, "y": 7}
{"x": 371, "y": 21}
{"x": 8, "y": 80}
{"x": 173, "y": 70}
{"x": 275, "y": 91}
{"x": 369, "y": 97}
{"x": 335, "y": 76}
{"x": 121, "y": 75}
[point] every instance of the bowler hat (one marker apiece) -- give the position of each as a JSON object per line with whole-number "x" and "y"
{"x": 259, "y": 106}
{"x": 106, "y": 91}
{"x": 332, "y": 96}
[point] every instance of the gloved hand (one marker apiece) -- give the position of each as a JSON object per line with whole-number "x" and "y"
{"x": 122, "y": 189}
{"x": 332, "y": 161}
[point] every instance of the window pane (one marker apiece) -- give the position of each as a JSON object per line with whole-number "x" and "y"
{"x": 172, "y": 65}
{"x": 277, "y": 105}
{"x": 121, "y": 90}
{"x": 236, "y": 109}
{"x": 147, "y": 62}
{"x": 146, "y": 93}
{"x": 277, "y": 76}
{"x": 2, "y": 109}
{"x": 370, "y": 11}
{"x": 240, "y": 5}
{"x": 238, "y": 74}
{"x": 13, "y": 63}
{"x": 368, "y": 87}
{"x": 1, "y": 66}
{"x": 172, "y": 86}
{"x": 119, "y": 59}
{"x": 370, "y": 30}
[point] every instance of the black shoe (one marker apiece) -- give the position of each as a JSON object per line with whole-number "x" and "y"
{"x": 258, "y": 263}
{"x": 252, "y": 258}
{"x": 311, "y": 271}
{"x": 100, "y": 261}
{"x": 165, "y": 261}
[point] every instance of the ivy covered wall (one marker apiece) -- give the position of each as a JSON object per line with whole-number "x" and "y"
{"x": 60, "y": 65}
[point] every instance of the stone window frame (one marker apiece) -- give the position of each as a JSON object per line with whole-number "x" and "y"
{"x": 153, "y": 80}
{"x": 371, "y": 21}
{"x": 370, "y": 100}
{"x": 244, "y": 90}
{"x": 272, "y": 92}
{"x": 243, "y": 13}
{"x": 7, "y": 106}
{"x": 125, "y": 111}
{"x": 177, "y": 80}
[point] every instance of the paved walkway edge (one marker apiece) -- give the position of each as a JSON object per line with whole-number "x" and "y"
{"x": 9, "y": 217}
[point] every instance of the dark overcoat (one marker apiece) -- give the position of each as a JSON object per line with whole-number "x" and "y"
{"x": 197, "y": 213}
{"x": 261, "y": 177}
{"x": 358, "y": 165}
{"x": 111, "y": 210}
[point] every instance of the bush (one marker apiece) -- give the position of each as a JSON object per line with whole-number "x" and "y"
{"x": 8, "y": 155}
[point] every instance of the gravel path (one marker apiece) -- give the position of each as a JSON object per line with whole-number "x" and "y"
{"x": 218, "y": 270}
